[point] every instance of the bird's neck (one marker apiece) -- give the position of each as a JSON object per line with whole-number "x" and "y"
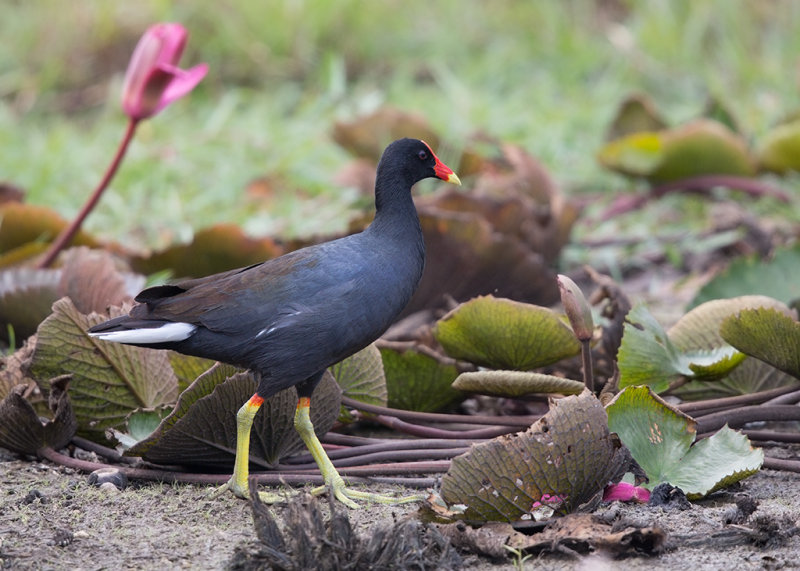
{"x": 395, "y": 213}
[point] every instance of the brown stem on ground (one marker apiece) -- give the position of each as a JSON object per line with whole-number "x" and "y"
{"x": 435, "y": 417}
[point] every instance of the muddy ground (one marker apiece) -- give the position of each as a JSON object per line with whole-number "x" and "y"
{"x": 52, "y": 518}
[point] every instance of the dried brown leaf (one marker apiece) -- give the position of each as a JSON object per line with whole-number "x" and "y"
{"x": 564, "y": 460}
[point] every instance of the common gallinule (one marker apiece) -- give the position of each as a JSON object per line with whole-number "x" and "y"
{"x": 289, "y": 318}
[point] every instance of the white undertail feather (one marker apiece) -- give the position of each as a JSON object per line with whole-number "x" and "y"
{"x": 169, "y": 332}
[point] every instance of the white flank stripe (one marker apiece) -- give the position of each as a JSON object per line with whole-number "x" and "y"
{"x": 164, "y": 334}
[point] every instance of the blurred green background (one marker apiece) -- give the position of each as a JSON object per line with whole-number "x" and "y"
{"x": 547, "y": 75}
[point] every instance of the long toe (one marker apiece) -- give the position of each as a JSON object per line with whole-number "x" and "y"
{"x": 230, "y": 486}
{"x": 348, "y": 495}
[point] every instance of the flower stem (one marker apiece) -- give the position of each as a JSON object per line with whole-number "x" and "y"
{"x": 69, "y": 232}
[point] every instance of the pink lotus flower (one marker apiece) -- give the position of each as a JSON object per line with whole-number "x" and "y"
{"x": 153, "y": 79}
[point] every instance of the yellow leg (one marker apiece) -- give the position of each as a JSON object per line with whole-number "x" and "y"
{"x": 333, "y": 481}
{"x": 241, "y": 469}
{"x": 302, "y": 423}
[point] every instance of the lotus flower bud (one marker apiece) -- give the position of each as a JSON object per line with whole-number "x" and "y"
{"x": 153, "y": 79}
{"x": 576, "y": 307}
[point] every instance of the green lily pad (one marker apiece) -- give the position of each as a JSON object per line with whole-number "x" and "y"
{"x": 21, "y": 224}
{"x": 419, "y": 380}
{"x": 201, "y": 429}
{"x": 702, "y": 147}
{"x": 636, "y": 114}
{"x": 768, "y": 335}
{"x": 361, "y": 377}
{"x": 515, "y": 383}
{"x": 140, "y": 424}
{"x": 187, "y": 368}
{"x": 505, "y": 334}
{"x": 700, "y": 329}
{"x": 563, "y": 460}
{"x": 109, "y": 380}
{"x": 660, "y": 439}
{"x": 779, "y": 150}
{"x": 778, "y": 278}
{"x": 647, "y": 356}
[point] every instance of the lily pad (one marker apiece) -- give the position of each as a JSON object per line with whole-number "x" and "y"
{"x": 21, "y": 224}
{"x": 187, "y": 368}
{"x": 109, "y": 380}
{"x": 139, "y": 425}
{"x": 660, "y": 440}
{"x": 505, "y": 334}
{"x": 89, "y": 277}
{"x": 216, "y": 249}
{"x": 201, "y": 430}
{"x": 700, "y": 329}
{"x": 26, "y": 299}
{"x": 564, "y": 460}
{"x": 647, "y": 356}
{"x": 778, "y": 278}
{"x": 361, "y": 377}
{"x": 514, "y": 384}
{"x": 702, "y": 147}
{"x": 768, "y": 335}
{"x": 419, "y": 380}
{"x": 636, "y": 114}
{"x": 779, "y": 150}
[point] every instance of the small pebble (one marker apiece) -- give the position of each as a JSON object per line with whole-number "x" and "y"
{"x": 109, "y": 487}
{"x": 108, "y": 476}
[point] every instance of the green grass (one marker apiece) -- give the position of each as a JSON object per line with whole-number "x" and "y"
{"x": 547, "y": 75}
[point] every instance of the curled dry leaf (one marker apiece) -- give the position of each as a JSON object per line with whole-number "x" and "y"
{"x": 568, "y": 454}
{"x": 503, "y": 237}
{"x": 575, "y": 533}
{"x": 109, "y": 380}
{"x": 14, "y": 369}
{"x": 201, "y": 429}
{"x": 367, "y": 136}
{"x": 92, "y": 281}
{"x": 21, "y": 429}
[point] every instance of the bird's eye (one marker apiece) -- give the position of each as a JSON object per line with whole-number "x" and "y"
{"x": 423, "y": 155}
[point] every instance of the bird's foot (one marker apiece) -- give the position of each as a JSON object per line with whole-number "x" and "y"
{"x": 244, "y": 492}
{"x": 337, "y": 487}
{"x": 346, "y": 495}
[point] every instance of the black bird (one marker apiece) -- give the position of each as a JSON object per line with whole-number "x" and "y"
{"x": 290, "y": 318}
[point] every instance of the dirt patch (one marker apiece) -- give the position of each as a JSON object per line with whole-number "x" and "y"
{"x": 51, "y": 518}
